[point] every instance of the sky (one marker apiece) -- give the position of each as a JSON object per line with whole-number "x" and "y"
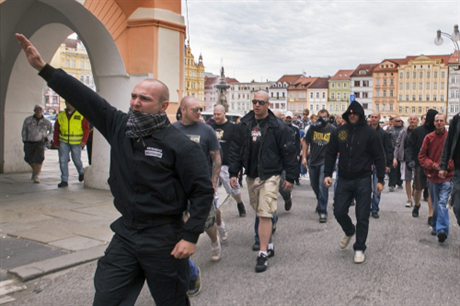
{"x": 265, "y": 39}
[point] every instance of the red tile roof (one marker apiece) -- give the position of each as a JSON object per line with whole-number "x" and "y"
{"x": 320, "y": 83}
{"x": 342, "y": 75}
{"x": 369, "y": 68}
{"x": 289, "y": 78}
{"x": 454, "y": 58}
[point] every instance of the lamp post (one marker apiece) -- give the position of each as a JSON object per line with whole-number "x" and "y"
{"x": 455, "y": 39}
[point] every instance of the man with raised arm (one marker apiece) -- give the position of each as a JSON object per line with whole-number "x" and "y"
{"x": 151, "y": 179}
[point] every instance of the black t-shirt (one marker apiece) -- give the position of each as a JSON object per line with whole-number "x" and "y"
{"x": 256, "y": 137}
{"x": 225, "y": 134}
{"x": 318, "y": 140}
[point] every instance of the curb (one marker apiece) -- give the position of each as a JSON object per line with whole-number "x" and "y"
{"x": 40, "y": 268}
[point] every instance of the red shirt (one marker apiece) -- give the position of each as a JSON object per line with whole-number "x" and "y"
{"x": 430, "y": 154}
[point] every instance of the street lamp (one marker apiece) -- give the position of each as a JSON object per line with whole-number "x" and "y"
{"x": 454, "y": 37}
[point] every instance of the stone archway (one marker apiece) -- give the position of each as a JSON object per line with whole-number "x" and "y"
{"x": 47, "y": 23}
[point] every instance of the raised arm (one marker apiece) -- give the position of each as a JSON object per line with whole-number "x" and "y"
{"x": 34, "y": 58}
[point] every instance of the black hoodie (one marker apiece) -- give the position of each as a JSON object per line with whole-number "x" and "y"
{"x": 359, "y": 147}
{"x": 416, "y": 139}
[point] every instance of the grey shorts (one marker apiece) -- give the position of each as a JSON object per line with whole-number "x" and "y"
{"x": 34, "y": 152}
{"x": 419, "y": 178}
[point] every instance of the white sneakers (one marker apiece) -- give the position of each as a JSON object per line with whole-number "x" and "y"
{"x": 36, "y": 180}
{"x": 345, "y": 241}
{"x": 216, "y": 250}
{"x": 359, "y": 257}
{"x": 409, "y": 203}
{"x": 222, "y": 229}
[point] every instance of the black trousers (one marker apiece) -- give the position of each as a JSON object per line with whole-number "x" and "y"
{"x": 135, "y": 255}
{"x": 395, "y": 176}
{"x": 360, "y": 190}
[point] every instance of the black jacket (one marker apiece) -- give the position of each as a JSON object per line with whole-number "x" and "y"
{"x": 451, "y": 147}
{"x": 416, "y": 139}
{"x": 151, "y": 179}
{"x": 359, "y": 148}
{"x": 296, "y": 132}
{"x": 385, "y": 139}
{"x": 277, "y": 149}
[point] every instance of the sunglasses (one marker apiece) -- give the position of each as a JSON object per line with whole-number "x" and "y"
{"x": 261, "y": 102}
{"x": 397, "y": 120}
{"x": 196, "y": 109}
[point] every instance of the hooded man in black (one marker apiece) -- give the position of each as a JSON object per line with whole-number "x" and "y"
{"x": 359, "y": 147}
{"x": 413, "y": 148}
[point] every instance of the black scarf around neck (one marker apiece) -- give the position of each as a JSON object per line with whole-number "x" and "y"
{"x": 142, "y": 124}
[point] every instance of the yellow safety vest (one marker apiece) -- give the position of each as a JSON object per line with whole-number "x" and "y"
{"x": 70, "y": 131}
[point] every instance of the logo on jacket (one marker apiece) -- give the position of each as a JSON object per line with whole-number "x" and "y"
{"x": 255, "y": 134}
{"x": 343, "y": 135}
{"x": 219, "y": 134}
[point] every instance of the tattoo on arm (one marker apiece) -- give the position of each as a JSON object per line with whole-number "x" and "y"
{"x": 216, "y": 165}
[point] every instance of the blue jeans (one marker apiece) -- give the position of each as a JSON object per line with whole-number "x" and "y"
{"x": 317, "y": 183}
{"x": 64, "y": 150}
{"x": 193, "y": 269}
{"x": 375, "y": 201}
{"x": 456, "y": 194}
{"x": 439, "y": 195}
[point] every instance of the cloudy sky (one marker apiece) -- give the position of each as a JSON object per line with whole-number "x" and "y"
{"x": 264, "y": 39}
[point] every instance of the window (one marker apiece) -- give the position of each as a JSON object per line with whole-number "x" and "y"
{"x": 67, "y": 62}
{"x": 442, "y": 97}
{"x": 366, "y": 83}
{"x": 427, "y": 85}
{"x": 377, "y": 82}
{"x": 413, "y": 97}
{"x": 292, "y": 95}
{"x": 407, "y": 75}
{"x": 435, "y": 85}
{"x": 343, "y": 107}
{"x": 421, "y": 74}
{"x": 420, "y": 97}
{"x": 414, "y": 86}
{"x": 443, "y": 85}
{"x": 435, "y": 74}
{"x": 435, "y": 98}
{"x": 407, "y": 86}
{"x": 311, "y": 95}
{"x": 333, "y": 96}
{"x": 400, "y": 86}
{"x": 88, "y": 65}
{"x": 357, "y": 94}
{"x": 356, "y": 83}
{"x": 413, "y": 109}
{"x": 419, "y": 109}
{"x": 401, "y": 75}
{"x": 414, "y": 75}
{"x": 302, "y": 95}
{"x": 377, "y": 93}
{"x": 284, "y": 95}
{"x": 443, "y": 74}
{"x": 420, "y": 85}
{"x": 338, "y": 85}
{"x": 82, "y": 64}
{"x": 324, "y": 95}
{"x": 391, "y": 106}
{"x": 407, "y": 97}
{"x": 365, "y": 95}
{"x": 400, "y": 110}
{"x": 407, "y": 109}
{"x": 391, "y": 92}
{"x": 427, "y": 97}
{"x": 377, "y": 107}
{"x": 400, "y": 98}
{"x": 317, "y": 95}
{"x": 384, "y": 93}
{"x": 384, "y": 81}
{"x": 345, "y": 85}
{"x": 332, "y": 85}
{"x": 392, "y": 81}
{"x": 428, "y": 75}
{"x": 73, "y": 63}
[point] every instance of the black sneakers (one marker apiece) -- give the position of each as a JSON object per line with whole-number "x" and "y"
{"x": 241, "y": 210}
{"x": 288, "y": 205}
{"x": 256, "y": 246}
{"x": 442, "y": 236}
{"x": 262, "y": 263}
{"x": 430, "y": 220}
{"x": 271, "y": 252}
{"x": 322, "y": 218}
{"x": 415, "y": 211}
{"x": 81, "y": 177}
{"x": 63, "y": 184}
{"x": 375, "y": 215}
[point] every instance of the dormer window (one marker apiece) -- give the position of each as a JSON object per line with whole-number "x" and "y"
{"x": 362, "y": 71}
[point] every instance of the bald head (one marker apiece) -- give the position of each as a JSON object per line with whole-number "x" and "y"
{"x": 375, "y": 119}
{"x": 277, "y": 113}
{"x": 191, "y": 110}
{"x": 219, "y": 114}
{"x": 150, "y": 96}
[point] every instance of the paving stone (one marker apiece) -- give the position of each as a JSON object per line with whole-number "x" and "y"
{"x": 76, "y": 243}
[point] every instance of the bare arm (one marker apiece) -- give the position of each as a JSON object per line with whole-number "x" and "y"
{"x": 216, "y": 165}
{"x": 34, "y": 58}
